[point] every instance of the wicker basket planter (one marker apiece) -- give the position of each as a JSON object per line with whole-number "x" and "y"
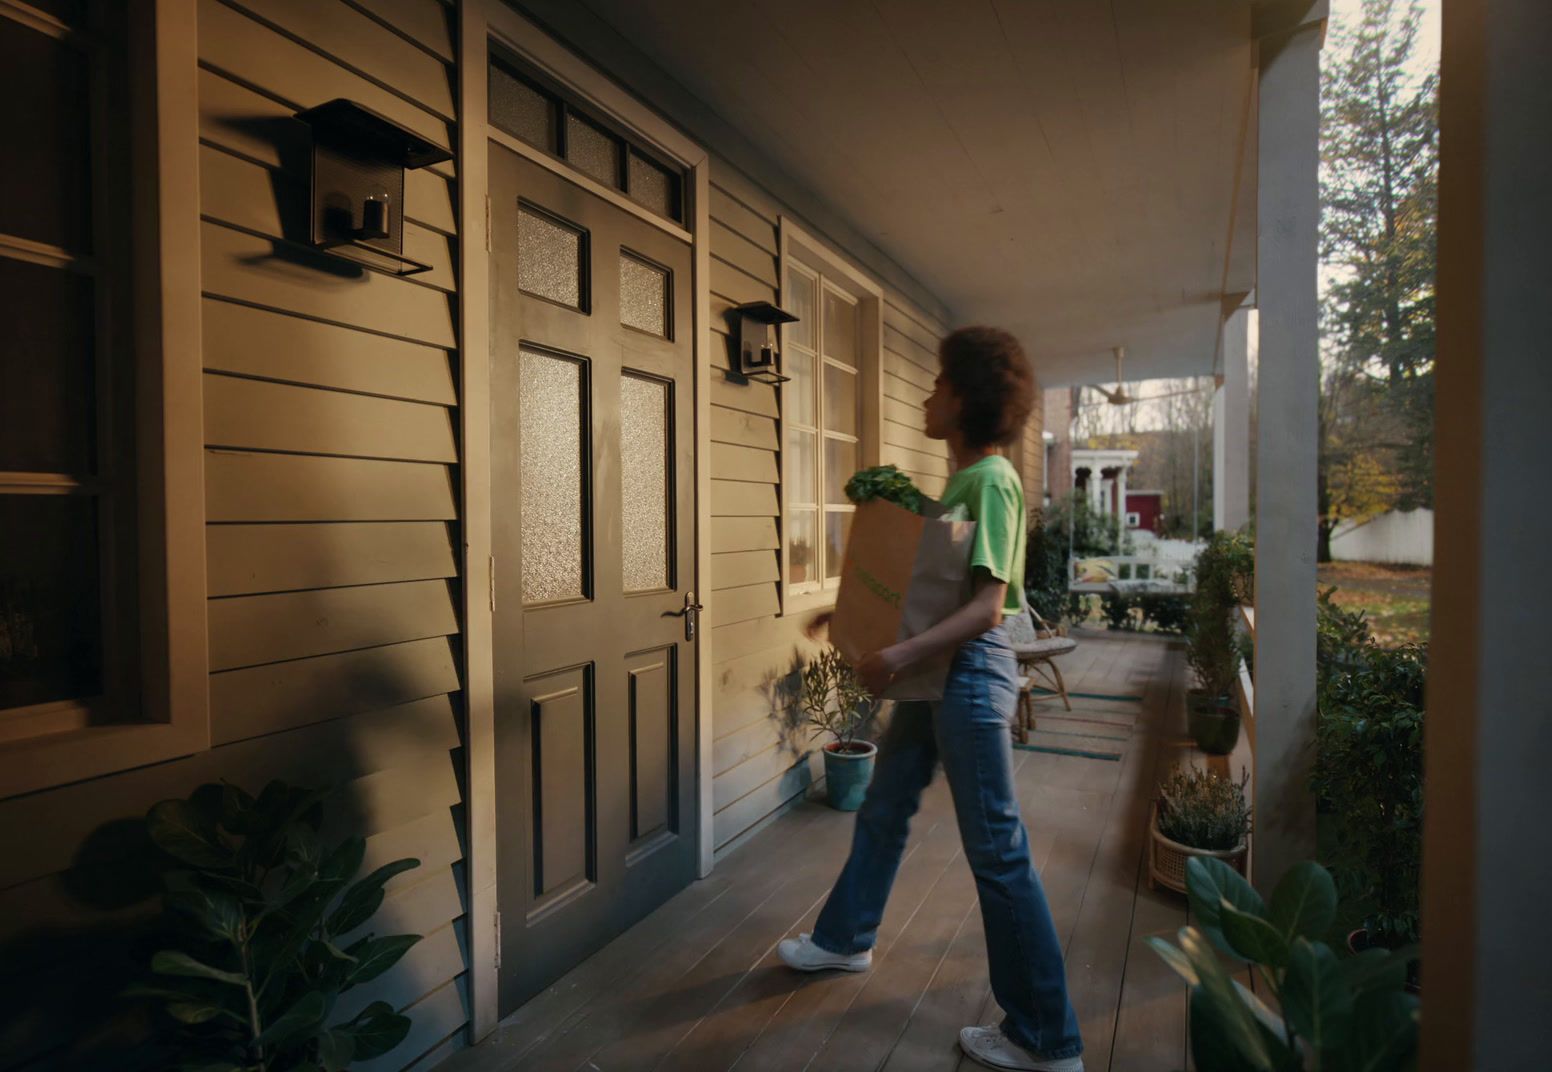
{"x": 1167, "y": 859}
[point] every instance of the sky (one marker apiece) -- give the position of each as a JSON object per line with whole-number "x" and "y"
{"x": 1424, "y": 59}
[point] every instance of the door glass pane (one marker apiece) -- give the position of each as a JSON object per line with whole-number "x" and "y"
{"x": 50, "y": 609}
{"x": 840, "y": 328}
{"x": 521, "y": 110}
{"x": 840, "y": 401}
{"x": 48, "y": 415}
{"x": 799, "y": 301}
{"x": 797, "y": 395}
{"x": 644, "y": 462}
{"x": 800, "y": 467}
{"x": 549, "y": 258}
{"x": 837, "y": 528}
{"x": 643, "y": 296}
{"x": 593, "y": 151}
{"x": 840, "y": 463}
{"x": 651, "y": 186}
{"x": 553, "y": 415}
{"x": 800, "y": 547}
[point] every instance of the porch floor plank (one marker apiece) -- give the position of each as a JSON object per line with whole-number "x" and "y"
{"x": 697, "y": 985}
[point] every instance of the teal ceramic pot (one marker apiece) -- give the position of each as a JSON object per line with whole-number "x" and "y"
{"x": 847, "y": 774}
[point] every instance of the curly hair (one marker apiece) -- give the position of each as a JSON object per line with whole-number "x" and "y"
{"x": 990, "y": 375}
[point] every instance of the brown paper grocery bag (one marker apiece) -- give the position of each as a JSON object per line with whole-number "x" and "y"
{"x": 903, "y": 573}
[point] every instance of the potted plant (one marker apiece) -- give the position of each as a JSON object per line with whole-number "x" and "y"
{"x": 1368, "y": 781}
{"x": 267, "y": 927}
{"x": 835, "y": 702}
{"x": 1197, "y": 814}
{"x": 1224, "y": 579}
{"x": 1323, "y": 1012}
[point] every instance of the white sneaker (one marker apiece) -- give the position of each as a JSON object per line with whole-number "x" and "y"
{"x": 990, "y": 1047}
{"x": 803, "y": 955}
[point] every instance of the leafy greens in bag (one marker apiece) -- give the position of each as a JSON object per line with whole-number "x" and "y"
{"x": 885, "y": 482}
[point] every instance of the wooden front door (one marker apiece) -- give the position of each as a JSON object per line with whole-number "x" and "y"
{"x": 593, "y": 495}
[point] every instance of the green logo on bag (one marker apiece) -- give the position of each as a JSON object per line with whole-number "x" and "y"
{"x": 877, "y": 587}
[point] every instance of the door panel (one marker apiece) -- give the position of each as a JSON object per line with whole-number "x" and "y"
{"x": 593, "y": 518}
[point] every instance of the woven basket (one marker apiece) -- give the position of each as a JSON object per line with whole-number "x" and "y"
{"x": 1167, "y": 859}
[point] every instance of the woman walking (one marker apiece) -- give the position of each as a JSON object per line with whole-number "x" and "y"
{"x": 983, "y": 394}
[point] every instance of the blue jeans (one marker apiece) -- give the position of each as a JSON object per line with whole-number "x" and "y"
{"x": 970, "y": 731}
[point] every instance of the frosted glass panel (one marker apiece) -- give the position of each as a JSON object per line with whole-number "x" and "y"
{"x": 643, "y": 296}
{"x": 519, "y": 109}
{"x": 837, "y": 528}
{"x": 840, "y": 328}
{"x": 651, "y": 186}
{"x": 840, "y": 405}
{"x": 840, "y": 464}
{"x": 553, "y": 412}
{"x": 592, "y": 151}
{"x": 549, "y": 258}
{"x": 644, "y": 461}
{"x": 799, "y": 301}
{"x": 798, "y": 394}
{"x": 801, "y": 542}
{"x": 800, "y": 467}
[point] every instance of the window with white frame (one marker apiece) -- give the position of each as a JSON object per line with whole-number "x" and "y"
{"x": 822, "y": 418}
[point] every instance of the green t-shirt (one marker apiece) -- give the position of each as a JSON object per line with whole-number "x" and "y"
{"x": 991, "y": 491}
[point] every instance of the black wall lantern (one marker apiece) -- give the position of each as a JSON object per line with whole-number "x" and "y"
{"x": 757, "y": 349}
{"x": 359, "y": 159}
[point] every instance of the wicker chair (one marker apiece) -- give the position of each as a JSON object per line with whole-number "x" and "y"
{"x": 1036, "y": 645}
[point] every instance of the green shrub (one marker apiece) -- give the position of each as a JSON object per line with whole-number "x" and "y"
{"x": 1225, "y": 578}
{"x": 1202, "y": 810}
{"x": 258, "y": 910}
{"x": 1368, "y": 779}
{"x": 1166, "y": 613}
{"x": 1045, "y": 568}
{"x": 1117, "y": 609}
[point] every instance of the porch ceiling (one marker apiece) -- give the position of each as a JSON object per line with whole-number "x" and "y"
{"x": 1067, "y": 169}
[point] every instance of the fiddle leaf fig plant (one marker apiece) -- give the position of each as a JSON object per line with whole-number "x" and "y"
{"x": 1335, "y": 1014}
{"x": 269, "y": 933}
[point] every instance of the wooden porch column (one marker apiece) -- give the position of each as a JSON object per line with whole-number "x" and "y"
{"x": 1486, "y": 873}
{"x": 1288, "y": 210}
{"x": 1231, "y": 427}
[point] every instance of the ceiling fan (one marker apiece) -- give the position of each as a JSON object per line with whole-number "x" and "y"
{"x": 1119, "y": 396}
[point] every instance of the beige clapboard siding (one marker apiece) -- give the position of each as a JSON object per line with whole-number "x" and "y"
{"x": 730, "y": 534}
{"x": 433, "y": 1019}
{"x": 263, "y": 130}
{"x": 758, "y": 399}
{"x": 46, "y": 833}
{"x": 248, "y": 414}
{"x": 243, "y": 486}
{"x": 265, "y": 699}
{"x": 253, "y": 559}
{"x": 258, "y": 271}
{"x": 730, "y": 212}
{"x": 238, "y": 45}
{"x": 742, "y": 429}
{"x": 756, "y": 465}
{"x": 736, "y": 286}
{"x": 430, "y": 962}
{"x": 734, "y": 498}
{"x": 426, "y": 22}
{"x": 739, "y": 569}
{"x": 249, "y": 630}
{"x": 743, "y": 813}
{"x": 431, "y": 902}
{"x": 744, "y": 604}
{"x": 268, "y": 345}
{"x": 431, "y": 839}
{"x": 273, "y": 203}
{"x": 354, "y": 40}
{"x": 734, "y": 249}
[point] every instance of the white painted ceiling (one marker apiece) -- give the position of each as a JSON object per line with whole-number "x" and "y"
{"x": 1066, "y": 168}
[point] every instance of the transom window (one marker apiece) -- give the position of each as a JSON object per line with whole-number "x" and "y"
{"x": 822, "y": 418}
{"x": 523, "y": 104}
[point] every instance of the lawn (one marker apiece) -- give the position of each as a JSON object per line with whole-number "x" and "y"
{"x": 1395, "y": 597}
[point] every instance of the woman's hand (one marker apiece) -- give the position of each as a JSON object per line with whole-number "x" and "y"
{"x": 819, "y": 624}
{"x": 879, "y": 668}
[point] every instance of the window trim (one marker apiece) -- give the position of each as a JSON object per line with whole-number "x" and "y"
{"x": 169, "y": 426}
{"x": 800, "y": 246}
